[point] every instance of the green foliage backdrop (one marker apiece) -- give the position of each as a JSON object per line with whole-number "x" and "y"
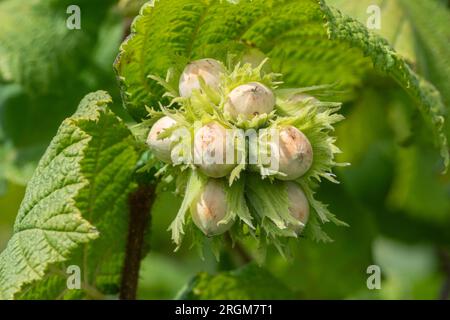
{"x": 69, "y": 186}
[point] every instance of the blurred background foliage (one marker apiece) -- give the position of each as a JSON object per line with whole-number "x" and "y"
{"x": 394, "y": 196}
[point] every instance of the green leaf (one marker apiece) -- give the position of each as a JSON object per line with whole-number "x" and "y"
{"x": 45, "y": 68}
{"x": 19, "y": 111}
{"x": 31, "y": 48}
{"x": 237, "y": 206}
{"x": 432, "y": 35}
{"x": 17, "y": 165}
{"x": 78, "y": 193}
{"x": 418, "y": 187}
{"x": 248, "y": 282}
{"x": 368, "y": 144}
{"x": 270, "y": 202}
{"x": 307, "y": 41}
{"x": 173, "y": 32}
{"x": 396, "y": 27}
{"x": 335, "y": 270}
{"x": 404, "y": 178}
{"x": 402, "y": 261}
{"x": 403, "y": 267}
{"x": 410, "y": 31}
{"x": 385, "y": 59}
{"x": 194, "y": 186}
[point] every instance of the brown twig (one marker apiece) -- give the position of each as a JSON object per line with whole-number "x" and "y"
{"x": 445, "y": 290}
{"x": 140, "y": 203}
